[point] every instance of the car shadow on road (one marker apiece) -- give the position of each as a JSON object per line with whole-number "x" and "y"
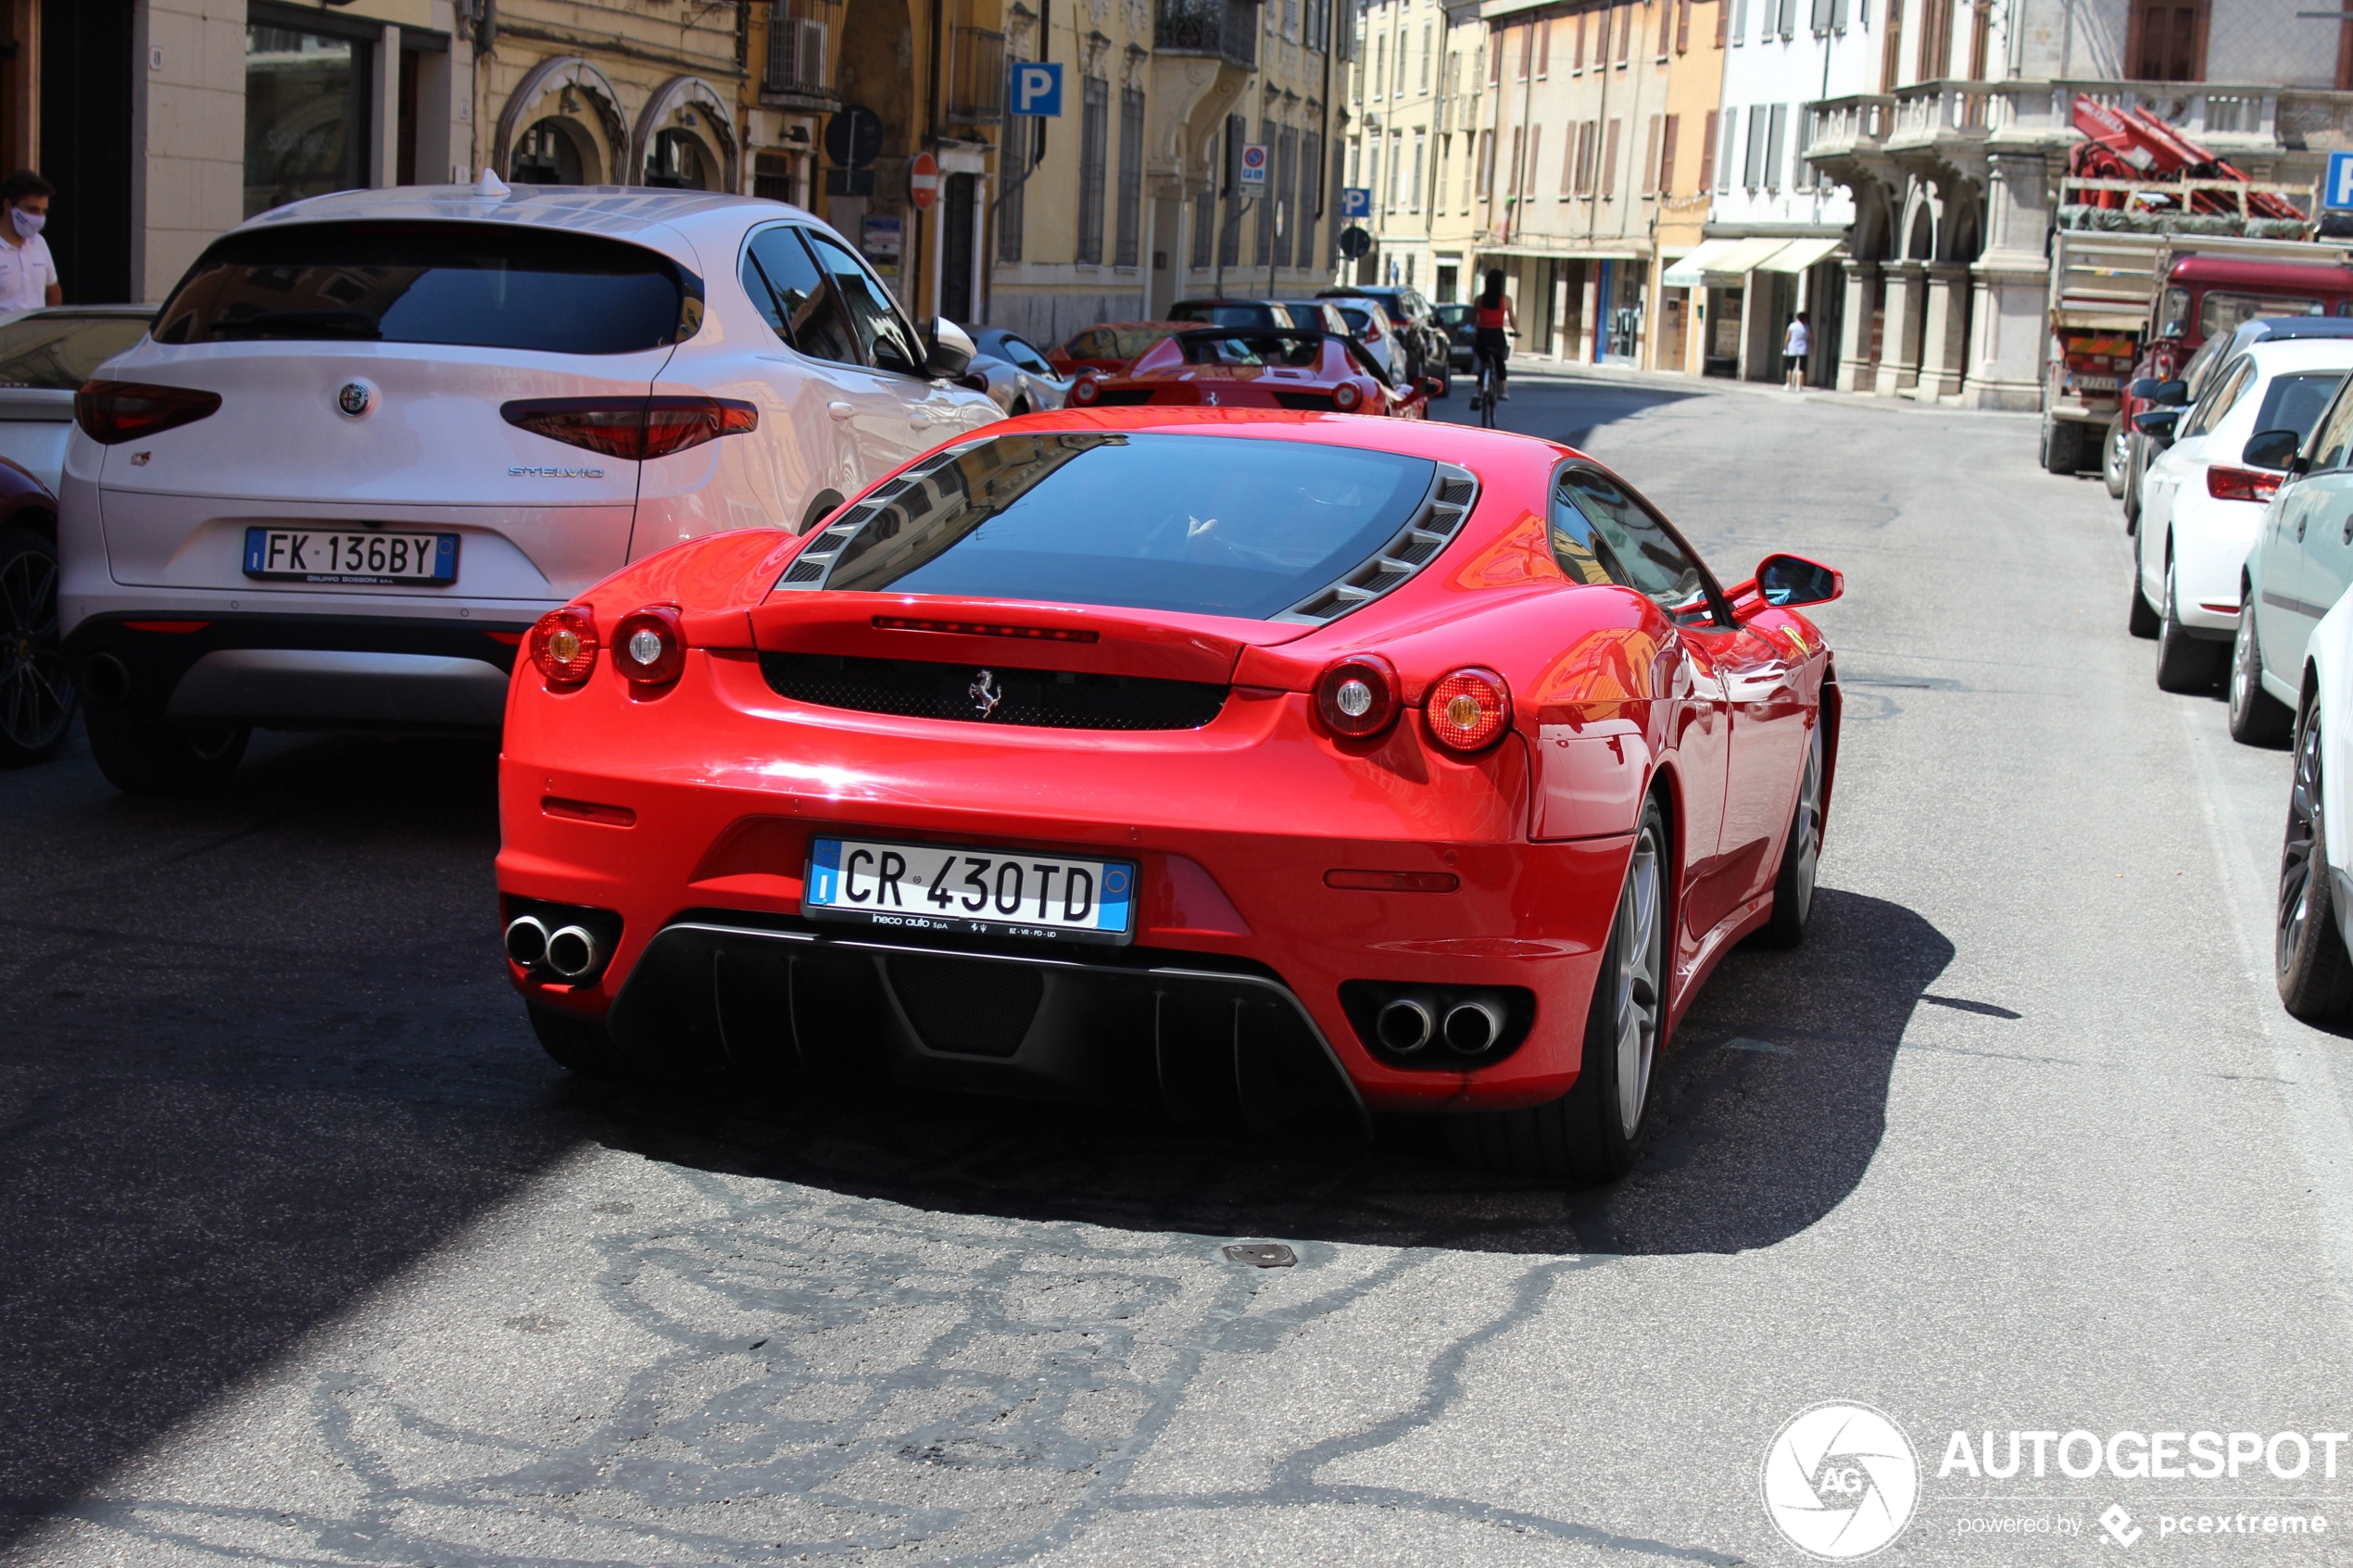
{"x": 1772, "y": 1103}
{"x": 1565, "y": 411}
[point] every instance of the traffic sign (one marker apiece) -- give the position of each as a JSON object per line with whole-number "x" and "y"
{"x": 855, "y": 137}
{"x": 1037, "y": 89}
{"x": 1254, "y": 165}
{"x": 922, "y": 181}
{"x": 2338, "y": 193}
{"x": 1354, "y": 242}
{"x": 1356, "y": 201}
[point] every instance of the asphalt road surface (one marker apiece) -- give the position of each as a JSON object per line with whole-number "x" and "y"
{"x": 307, "y": 1256}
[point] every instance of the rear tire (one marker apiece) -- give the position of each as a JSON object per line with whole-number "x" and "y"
{"x": 2183, "y": 663}
{"x": 1801, "y": 856}
{"x": 2256, "y": 717}
{"x": 574, "y": 1044}
{"x": 1596, "y": 1131}
{"x": 2315, "y": 977}
{"x": 153, "y": 757}
{"x": 37, "y": 693}
{"x": 2116, "y": 455}
{"x": 2141, "y": 620}
{"x": 2062, "y": 446}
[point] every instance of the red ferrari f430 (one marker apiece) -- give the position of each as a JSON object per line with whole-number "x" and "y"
{"x": 1244, "y": 763}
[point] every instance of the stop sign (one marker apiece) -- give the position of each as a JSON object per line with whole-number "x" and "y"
{"x": 923, "y": 181}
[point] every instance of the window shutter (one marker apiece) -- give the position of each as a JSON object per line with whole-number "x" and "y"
{"x": 1543, "y": 49}
{"x": 1752, "y": 172}
{"x": 1838, "y": 16}
{"x": 1740, "y": 18}
{"x": 1707, "y": 153}
{"x": 1624, "y": 34}
{"x": 1821, "y": 16}
{"x": 1609, "y": 164}
{"x": 1684, "y": 27}
{"x": 1665, "y": 16}
{"x": 1649, "y": 183}
{"x": 1535, "y": 141}
{"x": 1723, "y": 21}
{"x": 1778, "y": 122}
{"x": 1666, "y": 155}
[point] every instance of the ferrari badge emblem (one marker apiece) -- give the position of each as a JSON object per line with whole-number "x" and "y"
{"x": 986, "y": 693}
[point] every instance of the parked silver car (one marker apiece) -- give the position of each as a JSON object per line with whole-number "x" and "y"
{"x": 1014, "y": 372}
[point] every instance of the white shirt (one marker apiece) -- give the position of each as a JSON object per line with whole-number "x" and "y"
{"x": 1798, "y": 340}
{"x": 26, "y": 273}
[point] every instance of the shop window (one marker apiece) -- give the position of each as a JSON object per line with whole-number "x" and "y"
{"x": 547, "y": 155}
{"x": 305, "y": 116}
{"x": 676, "y": 162}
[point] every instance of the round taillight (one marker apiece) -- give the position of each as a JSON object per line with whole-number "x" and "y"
{"x": 1357, "y": 697}
{"x": 1086, "y": 390}
{"x": 1469, "y": 709}
{"x": 564, "y": 644}
{"x": 1346, "y": 397}
{"x": 649, "y": 646}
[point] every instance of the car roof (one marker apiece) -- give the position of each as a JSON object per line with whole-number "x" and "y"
{"x": 2274, "y": 356}
{"x": 660, "y": 219}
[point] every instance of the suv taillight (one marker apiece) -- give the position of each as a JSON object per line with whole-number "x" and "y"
{"x": 635, "y": 428}
{"x": 111, "y": 412}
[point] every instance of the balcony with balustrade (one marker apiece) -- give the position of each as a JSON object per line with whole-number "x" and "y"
{"x": 1225, "y": 31}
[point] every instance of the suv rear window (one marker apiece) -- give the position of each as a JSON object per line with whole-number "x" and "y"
{"x": 1194, "y": 524}
{"x": 476, "y": 285}
{"x": 1225, "y": 315}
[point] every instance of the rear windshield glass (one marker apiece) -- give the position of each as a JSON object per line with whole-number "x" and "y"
{"x": 1225, "y": 315}
{"x": 1295, "y": 349}
{"x": 1195, "y": 524}
{"x": 2223, "y": 312}
{"x": 61, "y": 352}
{"x": 2295, "y": 402}
{"x": 479, "y": 285}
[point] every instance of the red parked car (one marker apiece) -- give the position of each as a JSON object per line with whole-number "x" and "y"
{"x": 1257, "y": 368}
{"x": 1110, "y": 347}
{"x": 1230, "y": 761}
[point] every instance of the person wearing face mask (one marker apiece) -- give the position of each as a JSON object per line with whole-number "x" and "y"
{"x": 28, "y": 274}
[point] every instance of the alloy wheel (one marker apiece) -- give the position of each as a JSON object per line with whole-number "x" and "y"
{"x": 2242, "y": 662}
{"x": 2296, "y": 870}
{"x": 36, "y": 695}
{"x": 1639, "y": 959}
{"x": 1809, "y": 824}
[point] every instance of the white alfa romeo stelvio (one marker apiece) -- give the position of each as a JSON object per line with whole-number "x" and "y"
{"x": 372, "y": 436}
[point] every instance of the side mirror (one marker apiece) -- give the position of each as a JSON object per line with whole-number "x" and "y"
{"x": 2171, "y": 393}
{"x": 1794, "y": 579}
{"x": 2143, "y": 389}
{"x": 2157, "y": 422}
{"x": 947, "y": 348}
{"x": 2274, "y": 449}
{"x": 1433, "y": 387}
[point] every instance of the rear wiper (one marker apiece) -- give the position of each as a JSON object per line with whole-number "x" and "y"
{"x": 302, "y": 323}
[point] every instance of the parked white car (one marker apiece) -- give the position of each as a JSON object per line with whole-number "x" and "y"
{"x": 374, "y": 435}
{"x": 44, "y": 358}
{"x": 2202, "y": 504}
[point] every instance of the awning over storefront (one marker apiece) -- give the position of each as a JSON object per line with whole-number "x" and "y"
{"x": 1797, "y": 256}
{"x": 1743, "y": 258}
{"x": 1686, "y": 272}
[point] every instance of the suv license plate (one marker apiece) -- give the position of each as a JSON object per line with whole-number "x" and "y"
{"x": 945, "y": 887}
{"x": 369, "y": 557}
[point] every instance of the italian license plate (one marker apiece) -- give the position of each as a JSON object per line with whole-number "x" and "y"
{"x": 361, "y": 557}
{"x": 945, "y": 887}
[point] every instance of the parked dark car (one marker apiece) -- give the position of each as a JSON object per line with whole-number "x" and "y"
{"x": 37, "y": 691}
{"x": 1462, "y": 336}
{"x": 1416, "y": 317}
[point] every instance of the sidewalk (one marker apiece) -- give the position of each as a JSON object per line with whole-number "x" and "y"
{"x": 1540, "y": 367}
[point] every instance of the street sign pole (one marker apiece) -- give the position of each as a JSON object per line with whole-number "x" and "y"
{"x": 1037, "y": 94}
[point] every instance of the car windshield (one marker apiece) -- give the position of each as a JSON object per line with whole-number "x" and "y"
{"x": 1189, "y": 524}
{"x": 1357, "y": 317}
{"x": 479, "y": 285}
{"x": 2220, "y": 312}
{"x": 1115, "y": 343}
{"x": 60, "y": 351}
{"x": 1293, "y": 350}
{"x": 1454, "y": 315}
{"x": 2295, "y": 402}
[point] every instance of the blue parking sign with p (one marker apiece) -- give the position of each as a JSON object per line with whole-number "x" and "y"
{"x": 2338, "y": 193}
{"x": 1356, "y": 201}
{"x": 1037, "y": 89}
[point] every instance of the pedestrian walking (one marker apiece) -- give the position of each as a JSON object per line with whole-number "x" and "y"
{"x": 1496, "y": 322}
{"x": 28, "y": 274}
{"x": 1793, "y": 347}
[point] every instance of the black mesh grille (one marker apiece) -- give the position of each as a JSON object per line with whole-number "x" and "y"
{"x": 1051, "y": 698}
{"x": 1304, "y": 400}
{"x": 1117, "y": 399}
{"x": 973, "y": 1008}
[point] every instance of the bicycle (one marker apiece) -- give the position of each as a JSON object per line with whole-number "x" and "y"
{"x": 1485, "y": 398}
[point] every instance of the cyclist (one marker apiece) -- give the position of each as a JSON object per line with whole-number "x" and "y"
{"x": 1497, "y": 323}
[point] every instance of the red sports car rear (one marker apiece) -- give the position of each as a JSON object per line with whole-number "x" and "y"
{"x": 1244, "y": 764}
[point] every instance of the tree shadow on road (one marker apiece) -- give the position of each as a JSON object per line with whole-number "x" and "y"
{"x": 1772, "y": 1104}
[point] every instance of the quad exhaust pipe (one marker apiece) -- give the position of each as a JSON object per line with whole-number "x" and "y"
{"x": 1474, "y": 1025}
{"x": 1406, "y": 1024}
